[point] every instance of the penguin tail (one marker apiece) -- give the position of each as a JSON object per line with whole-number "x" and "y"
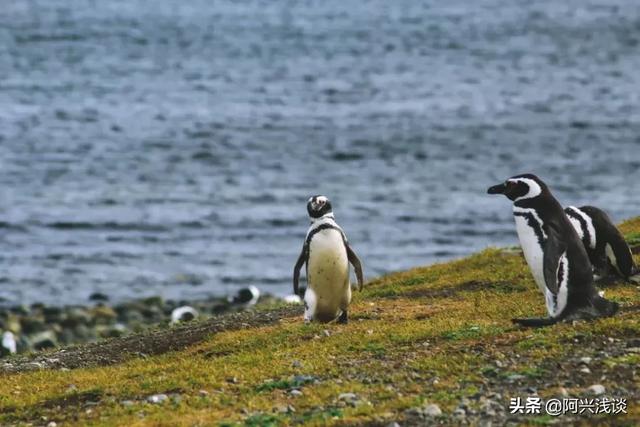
{"x": 634, "y": 277}
{"x": 535, "y": 322}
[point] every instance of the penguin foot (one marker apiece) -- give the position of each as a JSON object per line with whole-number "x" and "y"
{"x": 606, "y": 280}
{"x": 343, "y": 319}
{"x": 535, "y": 322}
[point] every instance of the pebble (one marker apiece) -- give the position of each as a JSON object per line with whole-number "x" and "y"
{"x": 295, "y": 392}
{"x": 157, "y": 398}
{"x": 39, "y": 327}
{"x": 585, "y": 360}
{"x": 292, "y": 299}
{"x": 33, "y": 365}
{"x": 432, "y": 410}
{"x": 98, "y": 296}
{"x": 585, "y": 370}
{"x": 459, "y": 413}
{"x": 203, "y": 393}
{"x": 563, "y": 392}
{"x": 348, "y": 397}
{"x": 596, "y": 389}
{"x": 52, "y": 424}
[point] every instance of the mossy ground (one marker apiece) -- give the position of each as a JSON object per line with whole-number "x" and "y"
{"x": 434, "y": 334}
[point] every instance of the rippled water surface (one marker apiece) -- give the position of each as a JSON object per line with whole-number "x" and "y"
{"x": 169, "y": 147}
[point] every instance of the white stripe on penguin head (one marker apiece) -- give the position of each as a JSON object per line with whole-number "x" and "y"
{"x": 534, "y": 188}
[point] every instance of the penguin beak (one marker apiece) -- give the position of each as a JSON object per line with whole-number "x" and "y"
{"x": 497, "y": 189}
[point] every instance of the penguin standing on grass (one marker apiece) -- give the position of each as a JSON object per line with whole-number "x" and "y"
{"x": 555, "y": 254}
{"x": 327, "y": 255}
{"x": 604, "y": 243}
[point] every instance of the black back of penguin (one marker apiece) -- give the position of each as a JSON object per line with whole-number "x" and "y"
{"x": 603, "y": 242}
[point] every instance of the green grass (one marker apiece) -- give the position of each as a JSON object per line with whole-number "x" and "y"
{"x": 432, "y": 334}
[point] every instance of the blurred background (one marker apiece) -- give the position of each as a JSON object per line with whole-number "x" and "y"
{"x": 169, "y": 147}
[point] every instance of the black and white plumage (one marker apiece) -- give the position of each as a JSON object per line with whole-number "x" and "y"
{"x": 184, "y": 313}
{"x": 554, "y": 252}
{"x": 602, "y": 240}
{"x": 327, "y": 254}
{"x": 246, "y": 297}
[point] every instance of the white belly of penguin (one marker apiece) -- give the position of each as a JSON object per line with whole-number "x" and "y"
{"x": 532, "y": 251}
{"x": 328, "y": 275}
{"x": 533, "y": 254}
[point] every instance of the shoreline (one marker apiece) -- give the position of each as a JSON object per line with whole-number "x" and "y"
{"x": 431, "y": 345}
{"x": 41, "y": 327}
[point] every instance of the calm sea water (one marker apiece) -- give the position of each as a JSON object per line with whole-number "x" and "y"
{"x": 169, "y": 147}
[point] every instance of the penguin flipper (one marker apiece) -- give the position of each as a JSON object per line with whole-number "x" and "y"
{"x": 535, "y": 322}
{"x": 554, "y": 248}
{"x": 622, "y": 259}
{"x": 302, "y": 258}
{"x": 357, "y": 265}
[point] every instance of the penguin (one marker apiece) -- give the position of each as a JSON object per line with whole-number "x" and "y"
{"x": 184, "y": 313}
{"x": 246, "y": 297}
{"x": 554, "y": 252}
{"x": 604, "y": 243}
{"x": 327, "y": 254}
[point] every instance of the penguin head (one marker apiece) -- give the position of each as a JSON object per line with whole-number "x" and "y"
{"x": 318, "y": 206}
{"x": 518, "y": 187}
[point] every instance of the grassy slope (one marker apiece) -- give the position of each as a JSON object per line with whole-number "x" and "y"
{"x": 431, "y": 334}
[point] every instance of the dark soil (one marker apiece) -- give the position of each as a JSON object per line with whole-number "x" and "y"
{"x": 145, "y": 344}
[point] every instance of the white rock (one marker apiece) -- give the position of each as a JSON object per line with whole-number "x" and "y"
{"x": 292, "y": 299}
{"x": 585, "y": 360}
{"x": 157, "y": 398}
{"x": 295, "y": 392}
{"x": 348, "y": 396}
{"x": 597, "y": 389}
{"x": 459, "y": 413}
{"x": 432, "y": 410}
